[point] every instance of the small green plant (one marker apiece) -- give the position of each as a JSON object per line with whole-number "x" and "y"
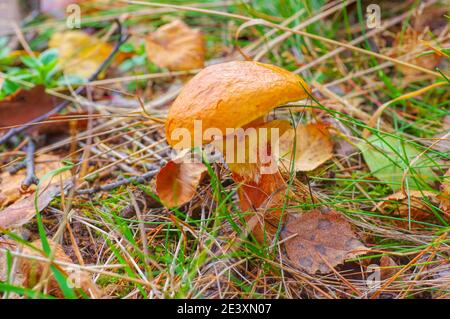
{"x": 40, "y": 70}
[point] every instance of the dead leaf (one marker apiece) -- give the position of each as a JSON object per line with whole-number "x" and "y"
{"x": 414, "y": 205}
{"x": 444, "y": 197}
{"x": 388, "y": 267}
{"x": 10, "y": 183}
{"x": 32, "y": 271}
{"x": 176, "y": 46}
{"x": 321, "y": 239}
{"x": 25, "y": 105}
{"x": 312, "y": 144}
{"x": 22, "y": 207}
{"x": 408, "y": 42}
{"x": 23, "y": 210}
{"x": 79, "y": 53}
{"x": 177, "y": 181}
{"x": 265, "y": 198}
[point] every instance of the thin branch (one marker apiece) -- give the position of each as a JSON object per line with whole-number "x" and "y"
{"x": 31, "y": 178}
{"x": 124, "y": 181}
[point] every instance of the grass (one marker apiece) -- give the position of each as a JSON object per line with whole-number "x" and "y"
{"x": 202, "y": 249}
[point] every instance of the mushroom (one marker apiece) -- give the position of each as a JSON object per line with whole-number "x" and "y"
{"x": 235, "y": 95}
{"x": 232, "y": 95}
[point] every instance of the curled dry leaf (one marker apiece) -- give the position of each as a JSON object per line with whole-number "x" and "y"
{"x": 231, "y": 95}
{"x": 22, "y": 207}
{"x": 32, "y": 270}
{"x": 177, "y": 181}
{"x": 320, "y": 240}
{"x": 312, "y": 145}
{"x": 79, "y": 53}
{"x": 176, "y": 46}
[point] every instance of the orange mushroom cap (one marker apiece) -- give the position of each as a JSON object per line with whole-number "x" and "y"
{"x": 231, "y": 95}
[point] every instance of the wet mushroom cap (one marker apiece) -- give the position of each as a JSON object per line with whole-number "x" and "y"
{"x": 231, "y": 95}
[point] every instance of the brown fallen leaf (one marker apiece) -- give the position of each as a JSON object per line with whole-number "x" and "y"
{"x": 10, "y": 189}
{"x": 412, "y": 204}
{"x": 320, "y": 239}
{"x": 22, "y": 207}
{"x": 24, "y": 106}
{"x": 23, "y": 210}
{"x": 177, "y": 181}
{"x": 79, "y": 53}
{"x": 266, "y": 198}
{"x": 32, "y": 270}
{"x": 56, "y": 8}
{"x": 444, "y": 197}
{"x": 408, "y": 42}
{"x": 388, "y": 267}
{"x": 313, "y": 147}
{"x": 176, "y": 46}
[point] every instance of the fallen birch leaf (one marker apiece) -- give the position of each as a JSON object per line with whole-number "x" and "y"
{"x": 388, "y": 158}
{"x": 32, "y": 271}
{"x": 321, "y": 239}
{"x": 176, "y": 47}
{"x": 177, "y": 181}
{"x": 312, "y": 145}
{"x": 79, "y": 53}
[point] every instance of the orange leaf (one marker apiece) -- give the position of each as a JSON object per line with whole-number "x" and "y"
{"x": 321, "y": 239}
{"x": 177, "y": 181}
{"x": 176, "y": 46}
{"x": 265, "y": 197}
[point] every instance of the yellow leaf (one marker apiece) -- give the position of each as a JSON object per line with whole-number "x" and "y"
{"x": 79, "y": 53}
{"x": 176, "y": 46}
{"x": 312, "y": 145}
